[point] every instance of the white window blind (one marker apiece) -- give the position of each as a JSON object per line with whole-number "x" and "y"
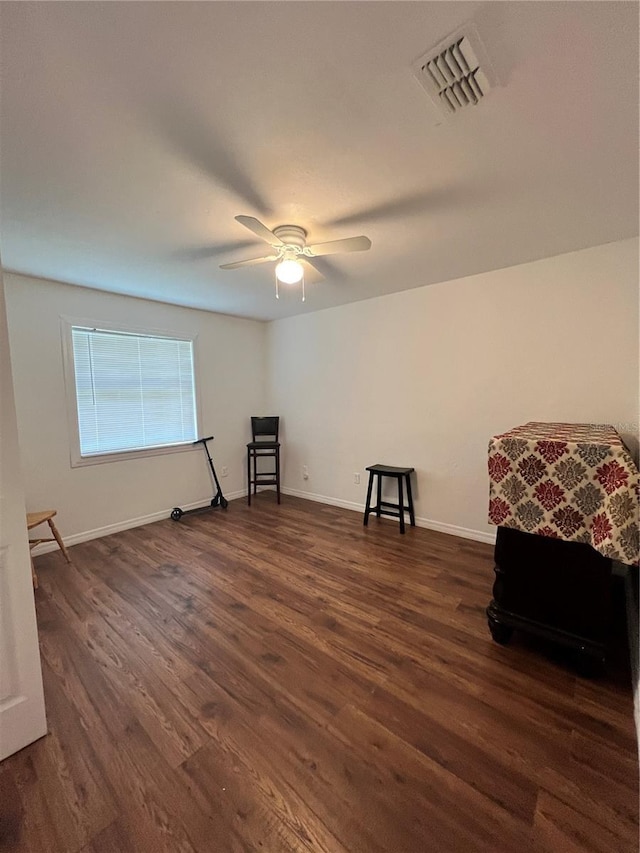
{"x": 132, "y": 391}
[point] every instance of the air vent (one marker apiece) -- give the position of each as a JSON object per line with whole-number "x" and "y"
{"x": 453, "y": 74}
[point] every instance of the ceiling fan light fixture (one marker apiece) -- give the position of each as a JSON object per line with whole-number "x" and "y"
{"x": 289, "y": 271}
{"x": 289, "y": 244}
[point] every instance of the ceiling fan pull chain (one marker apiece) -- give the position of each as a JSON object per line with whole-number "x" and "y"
{"x": 303, "y": 286}
{"x": 277, "y": 294}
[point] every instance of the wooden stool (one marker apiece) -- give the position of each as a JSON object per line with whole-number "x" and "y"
{"x": 385, "y": 507}
{"x": 33, "y": 520}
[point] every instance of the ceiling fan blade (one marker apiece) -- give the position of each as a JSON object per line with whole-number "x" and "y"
{"x": 315, "y": 274}
{"x": 194, "y": 140}
{"x": 409, "y": 205}
{"x": 250, "y": 262}
{"x": 201, "y": 253}
{"x": 259, "y": 229}
{"x": 326, "y": 269}
{"x": 350, "y": 244}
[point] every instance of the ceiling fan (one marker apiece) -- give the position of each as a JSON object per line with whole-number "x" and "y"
{"x": 289, "y": 248}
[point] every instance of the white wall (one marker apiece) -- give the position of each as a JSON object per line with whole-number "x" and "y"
{"x": 420, "y": 378}
{"x": 100, "y": 498}
{"x": 423, "y": 378}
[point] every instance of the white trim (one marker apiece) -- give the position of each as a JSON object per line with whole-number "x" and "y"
{"x": 429, "y": 524}
{"x": 322, "y": 499}
{"x": 128, "y": 524}
{"x": 69, "y": 373}
{"x": 109, "y": 326}
{"x": 123, "y": 455}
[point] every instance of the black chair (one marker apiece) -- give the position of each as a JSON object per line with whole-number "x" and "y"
{"x": 387, "y": 507}
{"x": 265, "y": 444}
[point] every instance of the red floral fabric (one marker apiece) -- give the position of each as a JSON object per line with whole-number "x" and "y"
{"x": 569, "y": 481}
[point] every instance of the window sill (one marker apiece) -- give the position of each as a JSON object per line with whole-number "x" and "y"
{"x": 125, "y": 455}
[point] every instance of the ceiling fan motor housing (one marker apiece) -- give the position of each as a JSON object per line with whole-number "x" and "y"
{"x": 291, "y": 235}
{"x": 291, "y": 245}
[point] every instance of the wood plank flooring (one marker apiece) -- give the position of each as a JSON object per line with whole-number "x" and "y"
{"x": 279, "y": 678}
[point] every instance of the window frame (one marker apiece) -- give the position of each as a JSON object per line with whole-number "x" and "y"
{"x": 77, "y": 460}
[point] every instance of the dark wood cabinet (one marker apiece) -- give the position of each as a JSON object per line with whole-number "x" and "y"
{"x": 555, "y": 589}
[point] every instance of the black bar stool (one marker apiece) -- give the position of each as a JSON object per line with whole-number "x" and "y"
{"x": 385, "y": 507}
{"x": 265, "y": 444}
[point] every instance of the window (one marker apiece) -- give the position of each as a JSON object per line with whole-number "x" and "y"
{"x": 131, "y": 392}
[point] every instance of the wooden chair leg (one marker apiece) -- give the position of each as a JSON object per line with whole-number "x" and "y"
{"x": 412, "y": 514}
{"x": 367, "y": 508}
{"x": 401, "y": 504}
{"x": 34, "y": 576}
{"x": 58, "y": 539}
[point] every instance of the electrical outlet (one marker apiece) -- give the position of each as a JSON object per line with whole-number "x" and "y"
{"x": 356, "y": 478}
{"x": 305, "y": 472}
{"x": 225, "y": 471}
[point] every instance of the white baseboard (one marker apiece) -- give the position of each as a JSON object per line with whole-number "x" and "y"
{"x": 429, "y": 524}
{"x": 128, "y": 524}
{"x": 321, "y": 499}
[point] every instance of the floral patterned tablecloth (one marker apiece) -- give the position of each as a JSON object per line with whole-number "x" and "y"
{"x": 576, "y": 482}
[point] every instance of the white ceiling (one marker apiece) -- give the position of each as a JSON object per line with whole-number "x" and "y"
{"x": 133, "y": 133}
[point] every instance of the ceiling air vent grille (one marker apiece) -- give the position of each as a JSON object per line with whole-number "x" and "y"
{"x": 453, "y": 75}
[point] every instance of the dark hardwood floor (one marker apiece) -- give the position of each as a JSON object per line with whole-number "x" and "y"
{"x": 279, "y": 678}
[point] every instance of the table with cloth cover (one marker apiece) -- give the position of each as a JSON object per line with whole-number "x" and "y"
{"x": 565, "y": 500}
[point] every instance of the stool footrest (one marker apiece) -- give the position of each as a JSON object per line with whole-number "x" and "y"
{"x": 389, "y": 507}
{"x": 393, "y": 513}
{"x": 392, "y": 506}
